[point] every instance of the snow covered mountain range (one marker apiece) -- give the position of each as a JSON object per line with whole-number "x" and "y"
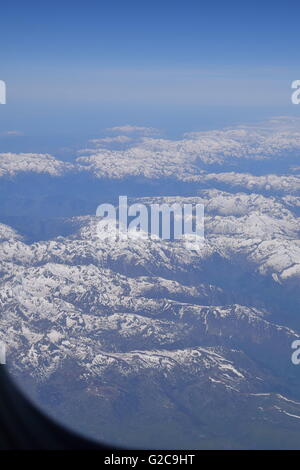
{"x": 145, "y": 343}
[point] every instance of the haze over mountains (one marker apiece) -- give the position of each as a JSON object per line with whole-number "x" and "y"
{"x": 146, "y": 343}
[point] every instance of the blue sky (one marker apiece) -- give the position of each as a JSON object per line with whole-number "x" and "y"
{"x": 157, "y": 32}
{"x": 77, "y": 67}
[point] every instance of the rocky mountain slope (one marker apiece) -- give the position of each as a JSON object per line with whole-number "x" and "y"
{"x": 144, "y": 342}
